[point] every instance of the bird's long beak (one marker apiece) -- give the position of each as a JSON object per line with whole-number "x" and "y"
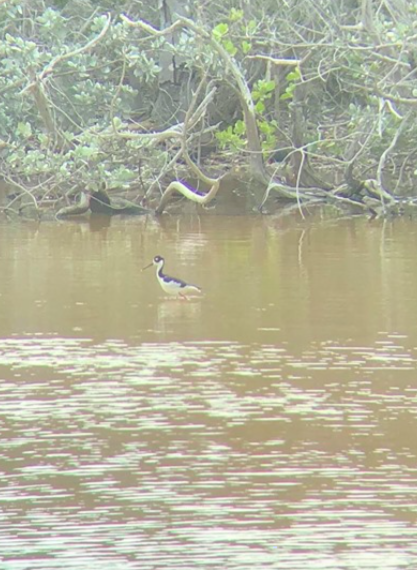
{"x": 147, "y": 266}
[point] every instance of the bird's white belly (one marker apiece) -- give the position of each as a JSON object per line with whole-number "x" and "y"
{"x": 171, "y": 288}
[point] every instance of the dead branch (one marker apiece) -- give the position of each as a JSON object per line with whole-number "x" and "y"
{"x": 192, "y": 195}
{"x": 389, "y": 148}
{"x": 275, "y": 60}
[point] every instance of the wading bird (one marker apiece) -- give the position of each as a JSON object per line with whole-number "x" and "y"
{"x": 171, "y": 285}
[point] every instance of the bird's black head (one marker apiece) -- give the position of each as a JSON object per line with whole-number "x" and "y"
{"x": 157, "y": 260}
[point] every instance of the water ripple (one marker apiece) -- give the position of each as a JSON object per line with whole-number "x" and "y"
{"x": 215, "y": 454}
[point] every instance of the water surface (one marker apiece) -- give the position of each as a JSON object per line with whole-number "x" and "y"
{"x": 268, "y": 424}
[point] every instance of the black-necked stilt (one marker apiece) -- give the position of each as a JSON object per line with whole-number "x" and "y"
{"x": 171, "y": 285}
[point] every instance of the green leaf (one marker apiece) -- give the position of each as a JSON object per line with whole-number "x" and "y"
{"x": 293, "y": 75}
{"x": 220, "y": 30}
{"x": 235, "y": 15}
{"x": 256, "y": 95}
{"x": 260, "y": 107}
{"x": 251, "y": 27}
{"x": 85, "y": 152}
{"x": 124, "y": 174}
{"x": 43, "y": 140}
{"x": 263, "y": 89}
{"x": 230, "y": 47}
{"x": 240, "y": 128}
{"x": 265, "y": 128}
{"x": 269, "y": 86}
{"x": 24, "y": 129}
{"x": 117, "y": 122}
{"x": 246, "y": 47}
{"x": 64, "y": 170}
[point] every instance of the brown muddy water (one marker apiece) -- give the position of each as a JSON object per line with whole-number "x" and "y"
{"x": 269, "y": 424}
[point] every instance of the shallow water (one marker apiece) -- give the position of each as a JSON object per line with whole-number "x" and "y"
{"x": 268, "y": 424}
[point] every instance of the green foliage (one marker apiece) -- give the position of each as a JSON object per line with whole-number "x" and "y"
{"x": 251, "y": 27}
{"x": 223, "y": 34}
{"x": 293, "y": 79}
{"x": 229, "y": 47}
{"x": 246, "y": 47}
{"x": 64, "y": 126}
{"x": 233, "y": 137}
{"x": 80, "y": 93}
{"x": 220, "y": 31}
{"x": 24, "y": 129}
{"x": 235, "y": 15}
{"x": 268, "y": 130}
{"x": 261, "y": 92}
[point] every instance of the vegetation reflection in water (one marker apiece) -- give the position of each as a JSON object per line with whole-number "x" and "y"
{"x": 248, "y": 450}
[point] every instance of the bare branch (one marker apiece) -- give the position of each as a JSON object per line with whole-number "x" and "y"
{"x": 390, "y": 147}
{"x": 192, "y": 195}
{"x": 276, "y": 61}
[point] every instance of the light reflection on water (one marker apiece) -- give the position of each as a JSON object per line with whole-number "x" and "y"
{"x": 210, "y": 453}
{"x": 270, "y": 424}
